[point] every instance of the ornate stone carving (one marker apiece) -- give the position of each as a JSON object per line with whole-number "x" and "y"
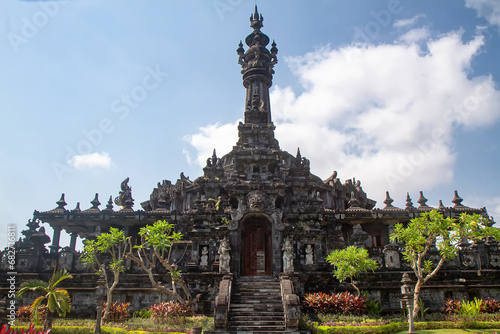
{"x": 204, "y": 256}
{"x": 309, "y": 255}
{"x": 287, "y": 256}
{"x": 224, "y": 256}
{"x": 125, "y": 196}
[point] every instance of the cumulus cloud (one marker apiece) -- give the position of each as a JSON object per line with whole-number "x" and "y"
{"x": 408, "y": 22}
{"x": 217, "y": 136}
{"x": 489, "y": 9}
{"x": 89, "y": 161}
{"x": 384, "y": 114}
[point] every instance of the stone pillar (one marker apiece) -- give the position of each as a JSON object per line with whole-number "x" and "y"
{"x": 55, "y": 240}
{"x": 72, "y": 242}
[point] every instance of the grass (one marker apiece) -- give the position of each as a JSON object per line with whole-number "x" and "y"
{"x": 454, "y": 331}
{"x": 139, "y": 324}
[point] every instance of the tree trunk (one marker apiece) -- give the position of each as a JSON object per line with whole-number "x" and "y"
{"x": 357, "y": 289}
{"x": 416, "y": 297}
{"x": 47, "y": 324}
{"x": 109, "y": 297}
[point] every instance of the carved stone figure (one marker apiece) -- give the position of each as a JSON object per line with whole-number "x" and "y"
{"x": 125, "y": 196}
{"x": 309, "y": 255}
{"x": 287, "y": 256}
{"x": 224, "y": 256}
{"x": 204, "y": 257}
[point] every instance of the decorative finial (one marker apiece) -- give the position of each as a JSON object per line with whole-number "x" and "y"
{"x": 441, "y": 206}
{"x": 409, "y": 203}
{"x": 256, "y": 19}
{"x": 109, "y": 206}
{"x": 422, "y": 200}
{"x": 457, "y": 201}
{"x": 298, "y": 155}
{"x": 95, "y": 202}
{"x": 388, "y": 201}
{"x": 77, "y": 208}
{"x": 61, "y": 203}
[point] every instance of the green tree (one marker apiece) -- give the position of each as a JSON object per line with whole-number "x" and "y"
{"x": 112, "y": 246}
{"x": 54, "y": 300}
{"x": 430, "y": 230}
{"x": 349, "y": 263}
{"x": 156, "y": 244}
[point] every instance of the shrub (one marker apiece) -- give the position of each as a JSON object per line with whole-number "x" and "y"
{"x": 143, "y": 314}
{"x": 24, "y": 313}
{"x": 169, "y": 309}
{"x": 490, "y": 305}
{"x": 451, "y": 307}
{"x": 470, "y": 309}
{"x": 343, "y": 303}
{"x": 117, "y": 312}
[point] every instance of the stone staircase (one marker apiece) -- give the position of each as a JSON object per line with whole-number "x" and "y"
{"x": 256, "y": 306}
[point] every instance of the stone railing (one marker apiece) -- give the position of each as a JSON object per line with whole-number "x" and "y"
{"x": 291, "y": 303}
{"x": 223, "y": 302}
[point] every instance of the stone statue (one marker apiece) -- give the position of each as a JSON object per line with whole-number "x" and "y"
{"x": 124, "y": 198}
{"x": 204, "y": 257}
{"x": 287, "y": 256}
{"x": 309, "y": 255}
{"x": 224, "y": 256}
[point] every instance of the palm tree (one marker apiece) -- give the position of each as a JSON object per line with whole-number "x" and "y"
{"x": 54, "y": 300}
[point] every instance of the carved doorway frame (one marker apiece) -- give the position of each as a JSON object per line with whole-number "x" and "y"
{"x": 256, "y": 246}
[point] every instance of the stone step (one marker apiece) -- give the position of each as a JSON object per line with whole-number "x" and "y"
{"x": 257, "y": 328}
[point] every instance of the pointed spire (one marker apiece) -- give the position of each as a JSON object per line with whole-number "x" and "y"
{"x": 441, "y": 206}
{"x": 77, "y": 208}
{"x": 109, "y": 206}
{"x": 457, "y": 201}
{"x": 409, "y": 203}
{"x": 422, "y": 200}
{"x": 214, "y": 157}
{"x": 388, "y": 201}
{"x": 256, "y": 19}
{"x": 95, "y": 202}
{"x": 61, "y": 203}
{"x": 298, "y": 156}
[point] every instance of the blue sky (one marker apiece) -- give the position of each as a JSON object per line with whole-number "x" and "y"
{"x": 402, "y": 95}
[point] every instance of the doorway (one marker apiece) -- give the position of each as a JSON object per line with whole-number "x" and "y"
{"x": 256, "y": 252}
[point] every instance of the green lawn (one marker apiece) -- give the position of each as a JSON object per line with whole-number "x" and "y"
{"x": 454, "y": 331}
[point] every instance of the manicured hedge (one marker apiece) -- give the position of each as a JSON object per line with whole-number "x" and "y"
{"x": 395, "y": 327}
{"x": 90, "y": 330}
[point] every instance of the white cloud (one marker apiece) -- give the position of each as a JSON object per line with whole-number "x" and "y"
{"x": 89, "y": 161}
{"x": 384, "y": 115}
{"x": 415, "y": 35}
{"x": 489, "y": 9}
{"x": 408, "y": 22}
{"x": 221, "y": 137}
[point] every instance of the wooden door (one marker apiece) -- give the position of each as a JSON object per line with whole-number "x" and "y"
{"x": 256, "y": 252}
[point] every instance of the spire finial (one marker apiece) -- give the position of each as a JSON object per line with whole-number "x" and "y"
{"x": 388, "y": 201}
{"x": 457, "y": 201}
{"x": 409, "y": 203}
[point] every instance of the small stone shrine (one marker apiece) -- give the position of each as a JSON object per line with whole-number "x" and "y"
{"x": 256, "y": 212}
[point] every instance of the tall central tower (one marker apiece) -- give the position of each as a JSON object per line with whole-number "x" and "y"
{"x": 257, "y": 68}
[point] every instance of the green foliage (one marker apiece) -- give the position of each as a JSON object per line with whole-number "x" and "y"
{"x": 31, "y": 329}
{"x": 53, "y": 299}
{"x": 161, "y": 236}
{"x": 225, "y": 221}
{"x": 432, "y": 229}
{"x": 471, "y": 309}
{"x": 350, "y": 262}
{"x": 422, "y": 309}
{"x": 336, "y": 303}
{"x": 143, "y": 313}
{"x": 382, "y": 329}
{"x": 113, "y": 243}
{"x": 373, "y": 307}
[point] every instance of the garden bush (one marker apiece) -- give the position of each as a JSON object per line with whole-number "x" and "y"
{"x": 169, "y": 309}
{"x": 339, "y": 303}
{"x": 117, "y": 312}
